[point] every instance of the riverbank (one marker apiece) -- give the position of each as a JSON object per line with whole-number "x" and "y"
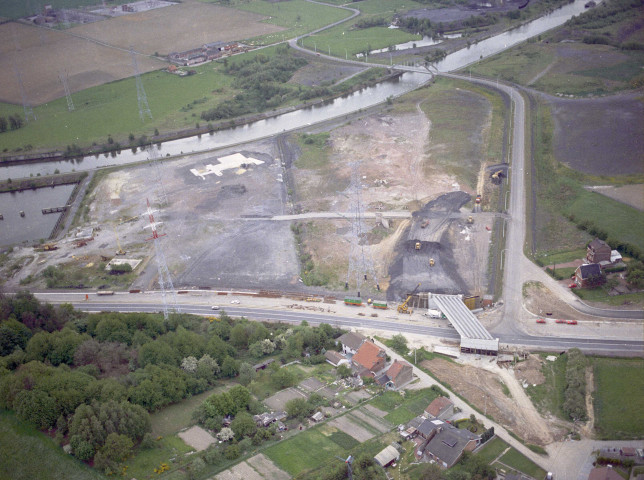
{"x": 209, "y": 128}
{"x": 33, "y": 183}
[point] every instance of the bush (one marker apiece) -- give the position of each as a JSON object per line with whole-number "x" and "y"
{"x": 232, "y": 452}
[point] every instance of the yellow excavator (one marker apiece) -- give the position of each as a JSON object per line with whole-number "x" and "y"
{"x": 403, "y": 308}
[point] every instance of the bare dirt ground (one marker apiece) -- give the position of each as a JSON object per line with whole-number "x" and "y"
{"x": 98, "y": 53}
{"x": 267, "y": 468}
{"x": 258, "y": 467}
{"x": 278, "y": 401}
{"x": 632, "y": 195}
{"x": 179, "y": 27}
{"x": 197, "y": 438}
{"x": 483, "y": 388}
{"x": 40, "y": 55}
{"x": 345, "y": 424}
{"x": 596, "y": 135}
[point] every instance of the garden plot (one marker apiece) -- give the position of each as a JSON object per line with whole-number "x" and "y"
{"x": 197, "y": 438}
{"x": 241, "y": 471}
{"x": 311, "y": 384}
{"x": 347, "y": 424}
{"x": 381, "y": 425}
{"x": 375, "y": 411}
{"x": 355, "y": 397}
{"x": 267, "y": 468}
{"x": 278, "y": 401}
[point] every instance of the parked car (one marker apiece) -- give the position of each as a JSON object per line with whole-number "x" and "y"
{"x": 235, "y": 302}
{"x": 572, "y": 285}
{"x": 215, "y": 307}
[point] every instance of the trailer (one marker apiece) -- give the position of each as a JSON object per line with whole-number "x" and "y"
{"x": 105, "y": 292}
{"x": 356, "y": 302}
{"x": 380, "y": 305}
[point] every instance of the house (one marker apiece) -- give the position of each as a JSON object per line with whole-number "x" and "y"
{"x": 448, "y": 444}
{"x": 428, "y": 428}
{"x": 317, "y": 417}
{"x": 589, "y": 275}
{"x": 598, "y": 251}
{"x": 387, "y": 456}
{"x": 400, "y": 373}
{"x": 369, "y": 359}
{"x": 351, "y": 342}
{"x": 335, "y": 358}
{"x": 441, "y": 407}
{"x": 604, "y": 473}
{"x": 265, "y": 419}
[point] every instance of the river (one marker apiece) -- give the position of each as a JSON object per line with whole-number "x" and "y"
{"x": 308, "y": 116}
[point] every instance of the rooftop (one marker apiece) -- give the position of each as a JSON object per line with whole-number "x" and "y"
{"x": 352, "y": 340}
{"x": 438, "y": 405}
{"x": 368, "y": 355}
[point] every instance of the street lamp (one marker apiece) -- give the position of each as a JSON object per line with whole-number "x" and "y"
{"x": 506, "y": 200}
{"x": 502, "y": 252}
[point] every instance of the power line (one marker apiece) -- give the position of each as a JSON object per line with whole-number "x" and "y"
{"x": 144, "y": 108}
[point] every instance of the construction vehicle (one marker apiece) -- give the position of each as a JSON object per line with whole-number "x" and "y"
{"x": 431, "y": 262}
{"x": 497, "y": 176}
{"x": 470, "y": 220}
{"x": 425, "y": 223}
{"x": 417, "y": 245}
{"x": 48, "y": 247}
{"x": 403, "y": 308}
{"x": 478, "y": 200}
{"x": 120, "y": 251}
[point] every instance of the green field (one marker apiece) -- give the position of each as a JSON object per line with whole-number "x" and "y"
{"x": 549, "y": 396}
{"x": 297, "y": 17}
{"x": 619, "y": 390}
{"x": 142, "y": 465}
{"x": 513, "y": 458}
{"x": 20, "y": 8}
{"x": 28, "y": 454}
{"x": 458, "y": 111}
{"x": 402, "y": 409}
{"x": 305, "y": 451}
{"x": 492, "y": 449}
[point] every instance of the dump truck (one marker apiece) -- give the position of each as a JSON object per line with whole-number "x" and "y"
{"x": 470, "y": 219}
{"x": 424, "y": 223}
{"x": 478, "y": 200}
{"x": 431, "y": 262}
{"x": 417, "y": 246}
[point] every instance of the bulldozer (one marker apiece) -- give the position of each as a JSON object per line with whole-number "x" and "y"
{"x": 470, "y": 220}
{"x": 403, "y": 308}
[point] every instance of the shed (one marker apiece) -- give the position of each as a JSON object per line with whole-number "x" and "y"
{"x": 335, "y": 358}
{"x": 387, "y": 456}
{"x": 317, "y": 417}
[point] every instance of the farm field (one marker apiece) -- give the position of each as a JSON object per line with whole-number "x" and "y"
{"x": 288, "y": 19}
{"x": 618, "y": 393}
{"x": 513, "y": 458}
{"x": 20, "y": 443}
{"x": 179, "y": 27}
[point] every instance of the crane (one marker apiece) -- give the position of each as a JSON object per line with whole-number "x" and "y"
{"x": 402, "y": 308}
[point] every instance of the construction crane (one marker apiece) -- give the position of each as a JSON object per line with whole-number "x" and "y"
{"x": 402, "y": 308}
{"x": 120, "y": 251}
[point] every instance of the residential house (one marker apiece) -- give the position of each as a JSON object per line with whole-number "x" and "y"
{"x": 387, "y": 456}
{"x": 604, "y": 473}
{"x": 265, "y": 419}
{"x": 448, "y": 444}
{"x": 598, "y": 251}
{"x": 441, "y": 407}
{"x": 369, "y": 359}
{"x": 398, "y": 374}
{"x": 589, "y": 275}
{"x": 351, "y": 342}
{"x": 335, "y": 358}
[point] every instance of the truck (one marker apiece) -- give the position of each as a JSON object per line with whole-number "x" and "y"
{"x": 478, "y": 200}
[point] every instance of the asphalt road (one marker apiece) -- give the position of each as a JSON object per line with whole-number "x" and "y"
{"x": 519, "y": 339}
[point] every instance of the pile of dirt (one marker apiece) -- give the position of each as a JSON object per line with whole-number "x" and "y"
{"x": 529, "y": 371}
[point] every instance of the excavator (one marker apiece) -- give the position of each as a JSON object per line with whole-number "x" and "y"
{"x": 403, "y": 308}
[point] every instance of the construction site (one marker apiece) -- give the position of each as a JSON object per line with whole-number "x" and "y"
{"x": 259, "y": 218}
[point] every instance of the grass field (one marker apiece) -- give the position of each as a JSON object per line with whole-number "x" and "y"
{"x": 305, "y": 451}
{"x": 20, "y": 8}
{"x": 142, "y": 465}
{"x": 492, "y": 449}
{"x": 513, "y": 458}
{"x": 296, "y": 17}
{"x": 554, "y": 257}
{"x": 619, "y": 389}
{"x": 28, "y": 454}
{"x": 549, "y": 396}
{"x": 461, "y": 133}
{"x": 402, "y": 409}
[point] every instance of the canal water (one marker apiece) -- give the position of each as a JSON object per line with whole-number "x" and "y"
{"x": 34, "y": 226}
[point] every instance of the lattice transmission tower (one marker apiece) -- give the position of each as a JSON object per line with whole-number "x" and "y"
{"x": 144, "y": 108}
{"x": 70, "y": 102}
{"x": 153, "y": 161}
{"x": 29, "y": 111}
{"x": 360, "y": 262}
{"x": 165, "y": 280}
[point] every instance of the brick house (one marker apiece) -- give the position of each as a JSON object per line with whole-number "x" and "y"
{"x": 589, "y": 275}
{"x": 369, "y": 359}
{"x": 598, "y": 251}
{"x": 398, "y": 374}
{"x": 441, "y": 407}
{"x": 448, "y": 444}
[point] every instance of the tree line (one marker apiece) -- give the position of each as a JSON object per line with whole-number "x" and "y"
{"x": 12, "y": 122}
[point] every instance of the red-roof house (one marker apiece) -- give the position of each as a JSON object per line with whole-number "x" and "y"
{"x": 441, "y": 407}
{"x": 369, "y": 357}
{"x": 400, "y": 373}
